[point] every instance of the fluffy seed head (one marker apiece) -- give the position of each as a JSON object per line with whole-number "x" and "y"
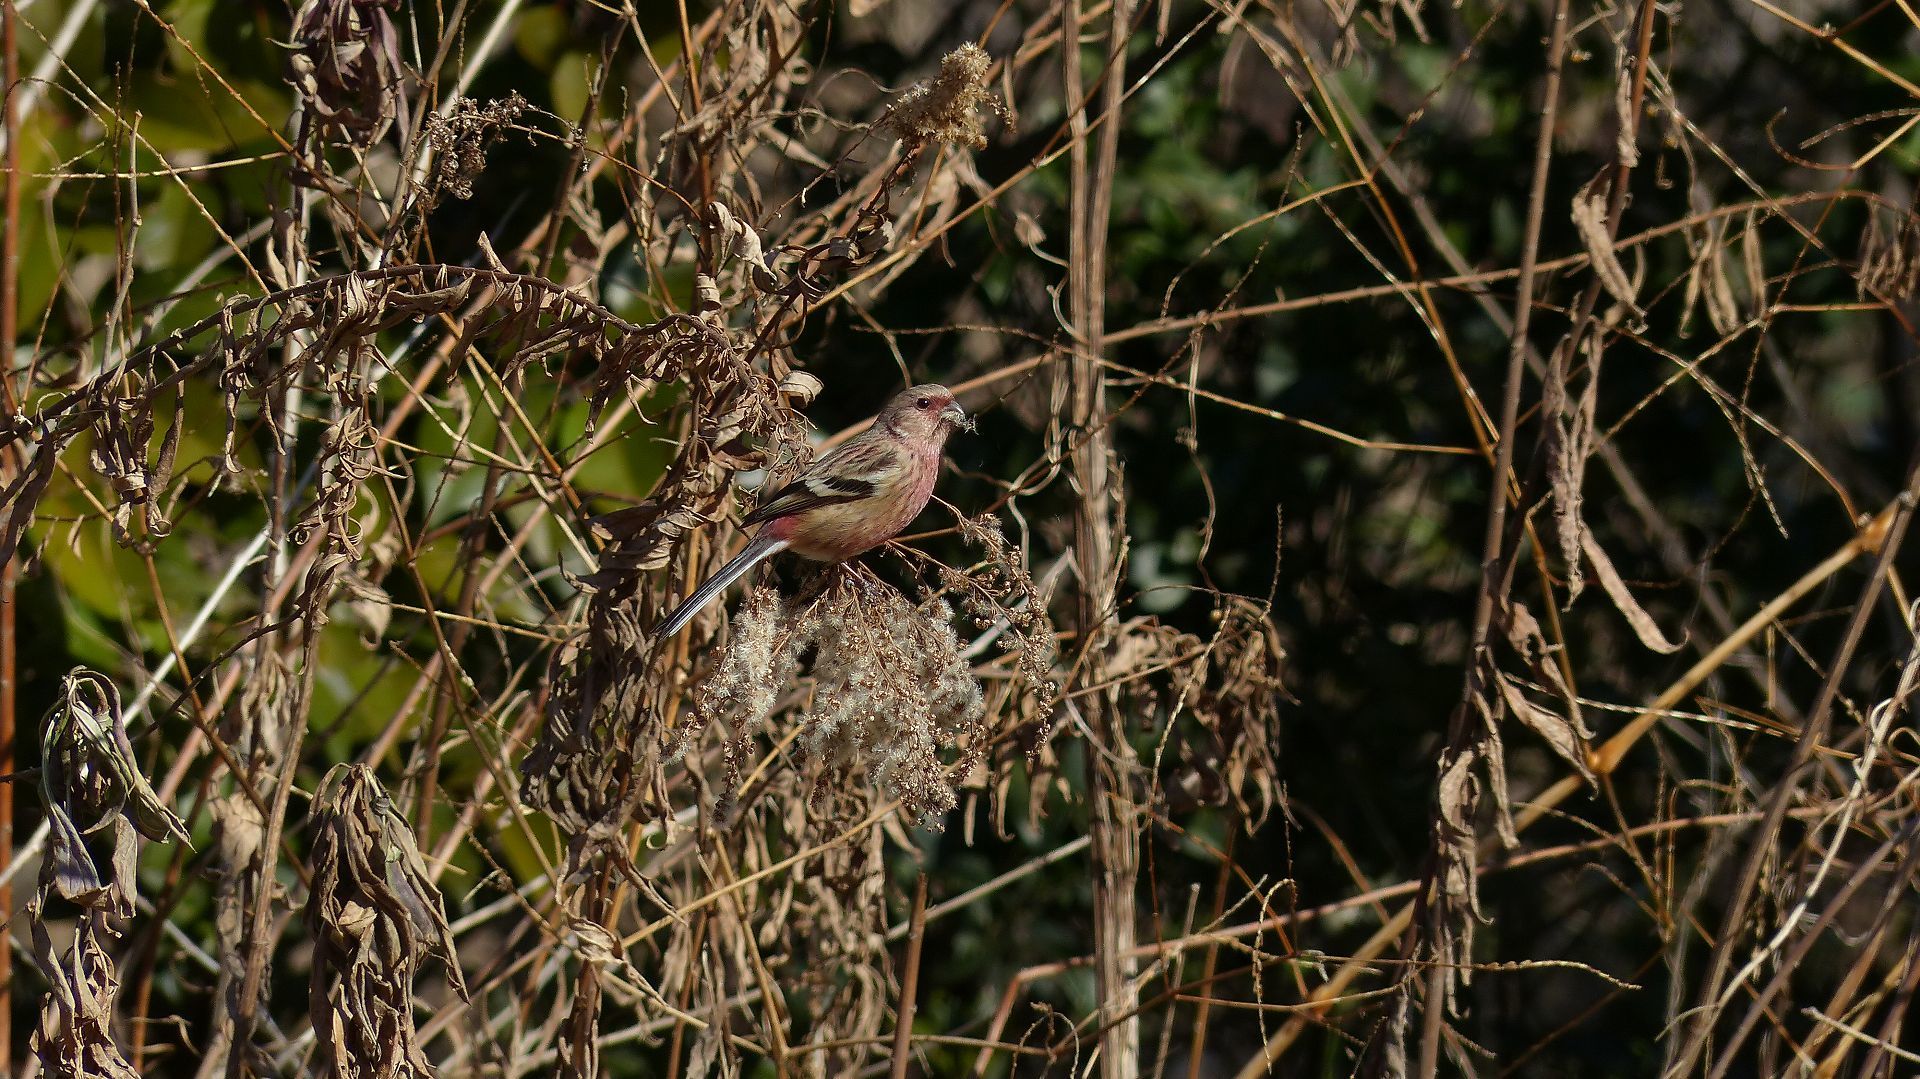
{"x": 947, "y": 107}
{"x": 892, "y": 693}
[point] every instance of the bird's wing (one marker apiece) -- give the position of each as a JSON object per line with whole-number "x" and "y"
{"x": 848, "y": 474}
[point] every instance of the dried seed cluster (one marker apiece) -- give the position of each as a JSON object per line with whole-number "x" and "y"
{"x": 1000, "y": 587}
{"x": 463, "y": 135}
{"x": 946, "y": 108}
{"x": 890, "y": 691}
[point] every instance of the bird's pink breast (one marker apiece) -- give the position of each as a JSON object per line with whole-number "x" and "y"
{"x": 846, "y": 530}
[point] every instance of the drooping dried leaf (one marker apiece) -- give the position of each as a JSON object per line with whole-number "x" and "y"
{"x": 1456, "y": 913}
{"x": 1562, "y": 734}
{"x": 91, "y": 783}
{"x": 1590, "y": 221}
{"x": 347, "y": 70}
{"x": 74, "y": 1038}
{"x": 1541, "y": 657}
{"x": 1643, "y": 624}
{"x": 373, "y": 916}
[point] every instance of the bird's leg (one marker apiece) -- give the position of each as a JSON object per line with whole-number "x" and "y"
{"x": 866, "y": 583}
{"x": 814, "y": 584}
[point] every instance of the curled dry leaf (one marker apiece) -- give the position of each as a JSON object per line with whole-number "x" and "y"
{"x": 1455, "y": 913}
{"x": 799, "y": 388}
{"x": 373, "y": 916}
{"x": 1590, "y": 220}
{"x": 1542, "y": 659}
{"x": 1626, "y": 124}
{"x": 346, "y": 68}
{"x": 1643, "y": 624}
{"x": 90, "y": 784}
{"x": 74, "y": 1039}
{"x": 122, "y": 430}
{"x": 733, "y": 238}
{"x": 1237, "y": 700}
{"x": 1563, "y": 735}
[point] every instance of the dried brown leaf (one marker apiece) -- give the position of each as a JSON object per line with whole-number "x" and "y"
{"x": 1590, "y": 221}
{"x": 1643, "y": 624}
{"x": 1564, "y": 735}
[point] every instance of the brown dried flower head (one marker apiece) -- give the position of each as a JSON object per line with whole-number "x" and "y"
{"x": 462, "y": 138}
{"x": 946, "y": 108}
{"x": 891, "y": 691}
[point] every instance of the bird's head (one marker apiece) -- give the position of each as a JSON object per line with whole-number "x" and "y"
{"x": 924, "y": 412}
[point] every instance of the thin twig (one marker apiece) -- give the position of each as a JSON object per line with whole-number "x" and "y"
{"x": 910, "y": 981}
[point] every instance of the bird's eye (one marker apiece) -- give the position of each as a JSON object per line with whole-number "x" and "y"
{"x": 923, "y": 403}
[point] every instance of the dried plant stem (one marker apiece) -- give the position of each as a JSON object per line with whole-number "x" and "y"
{"x": 772, "y": 1001}
{"x": 1112, "y": 762}
{"x": 1606, "y": 757}
{"x": 1466, "y": 730}
{"x": 1492, "y": 560}
{"x": 1707, "y": 1005}
{"x": 1196, "y": 1052}
{"x": 979, "y": 892}
{"x": 1462, "y": 278}
{"x": 8, "y": 660}
{"x": 686, "y": 998}
{"x": 454, "y": 642}
{"x": 1602, "y": 760}
{"x": 1323, "y": 997}
{"x": 688, "y": 852}
{"x": 1870, "y": 869}
{"x": 1679, "y": 559}
{"x": 910, "y": 981}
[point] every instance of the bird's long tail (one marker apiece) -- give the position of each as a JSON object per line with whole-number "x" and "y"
{"x": 759, "y": 550}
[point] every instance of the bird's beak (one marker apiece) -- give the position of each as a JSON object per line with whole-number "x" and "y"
{"x": 957, "y": 416}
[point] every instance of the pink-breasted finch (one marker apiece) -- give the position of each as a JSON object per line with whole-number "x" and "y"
{"x": 850, "y": 501}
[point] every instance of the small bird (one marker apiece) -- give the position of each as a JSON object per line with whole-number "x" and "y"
{"x": 850, "y": 501}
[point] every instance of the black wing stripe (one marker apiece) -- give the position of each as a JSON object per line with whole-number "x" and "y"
{"x": 849, "y": 473}
{"x": 848, "y": 486}
{"x": 809, "y": 494}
